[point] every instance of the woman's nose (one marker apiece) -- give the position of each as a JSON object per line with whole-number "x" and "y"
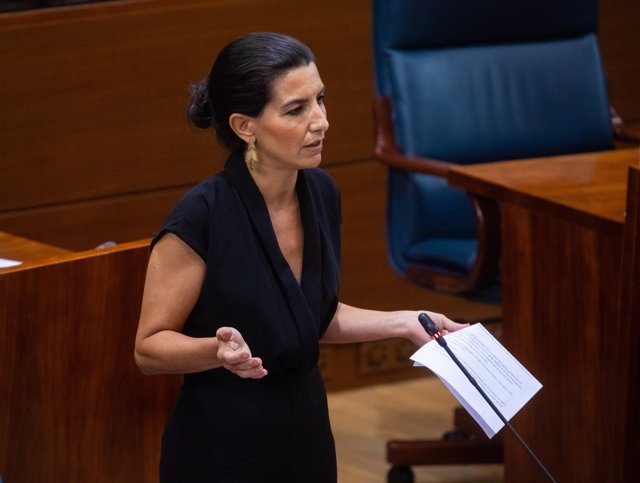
{"x": 319, "y": 121}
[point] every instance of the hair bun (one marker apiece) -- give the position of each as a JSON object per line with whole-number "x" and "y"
{"x": 200, "y": 113}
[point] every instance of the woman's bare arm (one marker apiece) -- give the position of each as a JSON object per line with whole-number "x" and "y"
{"x": 174, "y": 279}
{"x": 353, "y": 324}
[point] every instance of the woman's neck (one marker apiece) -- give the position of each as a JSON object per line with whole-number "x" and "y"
{"x": 278, "y": 188}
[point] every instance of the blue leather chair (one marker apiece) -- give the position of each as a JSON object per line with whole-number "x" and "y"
{"x": 472, "y": 81}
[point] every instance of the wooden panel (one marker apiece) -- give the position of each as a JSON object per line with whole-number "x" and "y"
{"x": 628, "y": 331}
{"x": 94, "y": 105}
{"x": 619, "y": 38}
{"x": 348, "y": 366}
{"x": 95, "y": 100}
{"x": 74, "y": 407}
{"x": 583, "y": 188}
{"x": 85, "y": 225}
{"x": 560, "y": 293}
{"x": 562, "y": 275}
{"x": 27, "y": 251}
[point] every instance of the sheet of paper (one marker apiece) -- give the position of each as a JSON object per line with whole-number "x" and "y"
{"x": 508, "y": 383}
{"x": 6, "y": 263}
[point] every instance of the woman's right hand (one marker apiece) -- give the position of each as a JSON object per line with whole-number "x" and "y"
{"x": 235, "y": 355}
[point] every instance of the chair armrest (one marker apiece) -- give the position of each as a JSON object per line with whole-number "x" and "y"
{"x": 621, "y": 132}
{"x": 486, "y": 265}
{"x": 386, "y": 149}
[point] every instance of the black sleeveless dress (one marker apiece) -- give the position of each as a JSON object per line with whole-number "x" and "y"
{"x": 225, "y": 429}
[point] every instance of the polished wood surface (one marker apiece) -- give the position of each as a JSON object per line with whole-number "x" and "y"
{"x": 628, "y": 330}
{"x": 94, "y": 100}
{"x": 94, "y": 104}
{"x": 562, "y": 223}
{"x": 74, "y": 406}
{"x": 27, "y": 251}
{"x": 585, "y": 188}
{"x": 619, "y": 38}
{"x": 84, "y": 225}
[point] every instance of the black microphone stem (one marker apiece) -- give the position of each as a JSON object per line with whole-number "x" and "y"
{"x": 432, "y": 329}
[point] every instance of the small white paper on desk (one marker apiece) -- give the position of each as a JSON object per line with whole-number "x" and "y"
{"x": 503, "y": 379}
{"x": 6, "y": 263}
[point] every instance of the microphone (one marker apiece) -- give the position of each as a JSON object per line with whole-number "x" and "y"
{"x": 432, "y": 329}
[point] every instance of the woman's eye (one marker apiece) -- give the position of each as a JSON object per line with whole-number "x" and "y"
{"x": 295, "y": 112}
{"x": 321, "y": 99}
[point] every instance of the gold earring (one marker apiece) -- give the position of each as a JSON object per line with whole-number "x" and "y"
{"x": 250, "y": 155}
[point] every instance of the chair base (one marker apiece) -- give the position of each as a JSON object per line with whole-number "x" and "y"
{"x": 465, "y": 445}
{"x": 443, "y": 452}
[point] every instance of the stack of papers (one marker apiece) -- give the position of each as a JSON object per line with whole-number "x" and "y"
{"x": 6, "y": 263}
{"x": 504, "y": 380}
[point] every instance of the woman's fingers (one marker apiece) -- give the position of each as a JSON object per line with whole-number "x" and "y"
{"x": 230, "y": 337}
{"x": 445, "y": 324}
{"x": 250, "y": 369}
{"x": 235, "y": 356}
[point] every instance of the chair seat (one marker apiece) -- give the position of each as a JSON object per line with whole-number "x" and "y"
{"x": 457, "y": 255}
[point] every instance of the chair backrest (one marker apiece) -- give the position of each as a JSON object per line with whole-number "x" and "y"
{"x": 485, "y": 80}
{"x": 477, "y": 81}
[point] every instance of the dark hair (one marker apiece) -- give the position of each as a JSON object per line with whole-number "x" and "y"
{"x": 241, "y": 81}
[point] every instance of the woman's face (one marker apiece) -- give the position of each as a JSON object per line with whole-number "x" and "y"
{"x": 290, "y": 131}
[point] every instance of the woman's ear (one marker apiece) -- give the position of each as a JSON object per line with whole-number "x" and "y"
{"x": 242, "y": 125}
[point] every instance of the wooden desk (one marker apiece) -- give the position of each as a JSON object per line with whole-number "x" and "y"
{"x": 74, "y": 407}
{"x": 27, "y": 251}
{"x": 562, "y": 225}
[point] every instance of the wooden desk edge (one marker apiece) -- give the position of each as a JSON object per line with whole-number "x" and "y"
{"x": 464, "y": 177}
{"x": 74, "y": 256}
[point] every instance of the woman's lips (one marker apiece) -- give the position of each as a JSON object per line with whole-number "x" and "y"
{"x": 314, "y": 146}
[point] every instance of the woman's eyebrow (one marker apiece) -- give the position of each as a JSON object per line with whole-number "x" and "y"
{"x": 293, "y": 102}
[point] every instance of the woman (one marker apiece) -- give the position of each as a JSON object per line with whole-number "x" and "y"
{"x": 242, "y": 282}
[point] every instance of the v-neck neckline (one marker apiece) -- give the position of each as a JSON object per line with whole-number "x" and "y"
{"x": 304, "y": 299}
{"x": 261, "y": 220}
